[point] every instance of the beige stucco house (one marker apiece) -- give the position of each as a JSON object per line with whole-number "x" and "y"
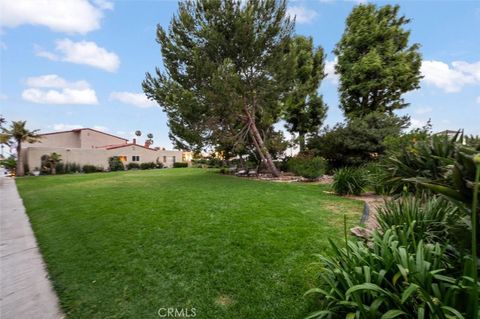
{"x": 91, "y": 147}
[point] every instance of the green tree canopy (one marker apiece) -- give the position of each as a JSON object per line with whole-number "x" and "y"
{"x": 305, "y": 110}
{"x": 18, "y": 134}
{"x": 358, "y": 140}
{"x": 375, "y": 62}
{"x": 227, "y": 67}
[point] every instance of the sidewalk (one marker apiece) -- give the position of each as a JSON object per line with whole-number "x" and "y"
{"x": 25, "y": 291}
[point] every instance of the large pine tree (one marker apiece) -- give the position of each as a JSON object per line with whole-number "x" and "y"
{"x": 376, "y": 64}
{"x": 305, "y": 110}
{"x": 226, "y": 67}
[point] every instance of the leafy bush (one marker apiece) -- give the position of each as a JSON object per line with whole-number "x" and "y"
{"x": 306, "y": 166}
{"x": 133, "y": 165}
{"x": 148, "y": 165}
{"x": 115, "y": 164}
{"x": 357, "y": 141}
{"x": 180, "y": 164}
{"x": 91, "y": 169}
{"x": 387, "y": 280}
{"x": 72, "y": 168}
{"x": 429, "y": 159}
{"x": 349, "y": 181}
{"x": 376, "y": 175}
{"x": 158, "y": 164}
{"x": 9, "y": 163}
{"x": 432, "y": 219}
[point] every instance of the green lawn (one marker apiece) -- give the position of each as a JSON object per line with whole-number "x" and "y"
{"x": 124, "y": 244}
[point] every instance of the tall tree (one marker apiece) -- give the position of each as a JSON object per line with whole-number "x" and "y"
{"x": 305, "y": 110}
{"x": 19, "y": 134}
{"x": 375, "y": 62}
{"x": 226, "y": 69}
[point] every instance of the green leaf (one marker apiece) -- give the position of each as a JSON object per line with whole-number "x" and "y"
{"x": 453, "y": 311}
{"x": 319, "y": 314}
{"x": 351, "y": 315}
{"x": 392, "y": 314}
{"x": 366, "y": 286}
{"x": 408, "y": 292}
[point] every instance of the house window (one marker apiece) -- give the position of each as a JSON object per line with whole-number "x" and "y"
{"x": 122, "y": 158}
{"x": 164, "y": 159}
{"x": 135, "y": 158}
{"x": 173, "y": 159}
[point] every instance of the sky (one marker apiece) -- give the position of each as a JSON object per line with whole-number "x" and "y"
{"x": 80, "y": 63}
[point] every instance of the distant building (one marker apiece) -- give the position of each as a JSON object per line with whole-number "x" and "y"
{"x": 451, "y": 134}
{"x": 91, "y": 147}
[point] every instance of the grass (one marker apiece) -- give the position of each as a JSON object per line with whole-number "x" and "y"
{"x": 124, "y": 244}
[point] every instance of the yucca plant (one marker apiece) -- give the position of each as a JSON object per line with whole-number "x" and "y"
{"x": 386, "y": 280}
{"x": 349, "y": 181}
{"x": 430, "y": 159}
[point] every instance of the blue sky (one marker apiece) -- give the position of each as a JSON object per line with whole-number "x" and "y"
{"x": 79, "y": 63}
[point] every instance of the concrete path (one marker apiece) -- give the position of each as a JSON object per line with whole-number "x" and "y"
{"x": 26, "y": 291}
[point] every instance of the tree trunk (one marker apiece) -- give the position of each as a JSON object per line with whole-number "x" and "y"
{"x": 53, "y": 168}
{"x": 259, "y": 144}
{"x": 19, "y": 170}
{"x": 301, "y": 142}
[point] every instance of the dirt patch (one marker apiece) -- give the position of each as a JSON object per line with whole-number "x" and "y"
{"x": 224, "y": 300}
{"x": 289, "y": 178}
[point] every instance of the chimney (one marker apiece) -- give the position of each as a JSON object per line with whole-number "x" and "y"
{"x": 147, "y": 145}
{"x": 134, "y": 141}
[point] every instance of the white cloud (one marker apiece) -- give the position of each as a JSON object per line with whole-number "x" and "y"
{"x": 70, "y": 16}
{"x": 60, "y": 91}
{"x": 330, "y": 70}
{"x": 55, "y": 81}
{"x": 423, "y": 110}
{"x": 301, "y": 14}
{"x": 451, "y": 78}
{"x": 66, "y": 127}
{"x": 83, "y": 52}
{"x": 104, "y": 4}
{"x": 136, "y": 99}
{"x": 416, "y": 123}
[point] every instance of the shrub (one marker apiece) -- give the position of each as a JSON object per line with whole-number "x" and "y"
{"x": 349, "y": 181}
{"x": 90, "y": 169}
{"x": 115, "y": 164}
{"x": 432, "y": 219}
{"x": 357, "y": 141}
{"x": 148, "y": 165}
{"x": 9, "y": 163}
{"x": 133, "y": 165}
{"x": 306, "y": 166}
{"x": 158, "y": 164}
{"x": 72, "y": 168}
{"x": 180, "y": 164}
{"x": 376, "y": 175}
{"x": 389, "y": 281}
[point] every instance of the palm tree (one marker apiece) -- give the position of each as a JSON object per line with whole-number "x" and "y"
{"x": 52, "y": 160}
{"x": 19, "y": 134}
